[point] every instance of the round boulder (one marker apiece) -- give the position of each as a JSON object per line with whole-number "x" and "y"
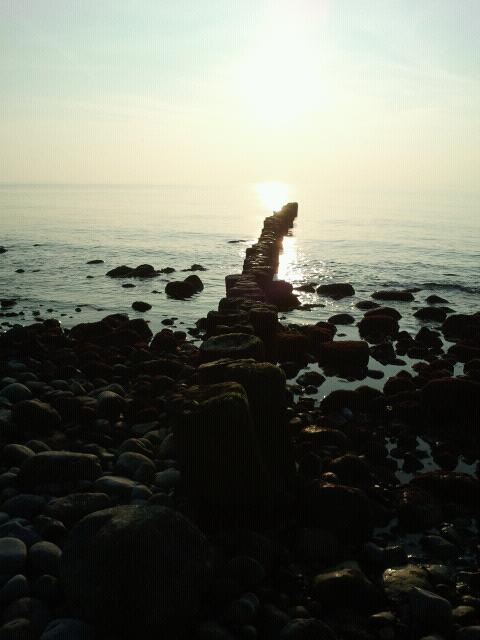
{"x": 137, "y": 570}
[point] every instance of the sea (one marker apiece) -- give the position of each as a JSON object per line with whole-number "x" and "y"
{"x": 427, "y": 241}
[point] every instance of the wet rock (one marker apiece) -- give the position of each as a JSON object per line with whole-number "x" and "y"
{"x": 180, "y": 289}
{"x": 391, "y": 294}
{"x": 462, "y": 326}
{"x": 346, "y": 587}
{"x": 397, "y": 582}
{"x": 311, "y": 378}
{"x": 351, "y": 470}
{"x": 232, "y": 345}
{"x": 417, "y": 509}
{"x": 307, "y": 288}
{"x": 434, "y": 299}
{"x": 142, "y": 271}
{"x": 452, "y": 405}
{"x": 341, "y": 318}
{"x": 16, "y": 453}
{"x": 345, "y": 354}
{"x": 336, "y": 290}
{"x": 195, "y": 282}
{"x": 35, "y": 416}
{"x": 196, "y": 267}
{"x": 432, "y": 314}
{"x": 365, "y": 305}
{"x": 138, "y": 305}
{"x": 457, "y": 488}
{"x": 292, "y": 346}
{"x": 24, "y": 506}
{"x": 15, "y": 588}
{"x": 96, "y": 261}
{"x": 378, "y": 328}
{"x": 150, "y": 565}
{"x": 57, "y": 469}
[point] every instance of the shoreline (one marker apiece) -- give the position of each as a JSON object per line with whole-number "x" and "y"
{"x": 295, "y": 501}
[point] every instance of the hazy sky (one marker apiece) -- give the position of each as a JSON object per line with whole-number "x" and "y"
{"x": 381, "y": 93}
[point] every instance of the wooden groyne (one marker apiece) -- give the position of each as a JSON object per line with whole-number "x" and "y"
{"x": 256, "y": 282}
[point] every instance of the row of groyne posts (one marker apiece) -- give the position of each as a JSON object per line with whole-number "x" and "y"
{"x": 232, "y": 432}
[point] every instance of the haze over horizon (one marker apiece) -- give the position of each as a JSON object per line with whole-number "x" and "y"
{"x": 377, "y": 94}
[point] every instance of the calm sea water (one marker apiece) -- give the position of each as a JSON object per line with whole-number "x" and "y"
{"x": 372, "y": 240}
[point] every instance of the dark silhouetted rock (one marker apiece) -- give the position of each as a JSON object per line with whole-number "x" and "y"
{"x": 139, "y": 571}
{"x": 195, "y": 281}
{"x": 341, "y": 318}
{"x": 336, "y": 290}
{"x": 232, "y": 345}
{"x": 433, "y": 299}
{"x": 344, "y": 354}
{"x": 392, "y": 294}
{"x": 35, "y": 416}
{"x": 57, "y": 469}
{"x": 138, "y": 305}
{"x": 433, "y": 314}
{"x": 377, "y": 328}
{"x": 180, "y": 289}
{"x": 96, "y": 261}
{"x": 462, "y": 326}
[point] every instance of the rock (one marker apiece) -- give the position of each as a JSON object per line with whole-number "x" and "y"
{"x": 180, "y": 289}
{"x": 196, "y": 267}
{"x": 24, "y": 506}
{"x": 462, "y": 326}
{"x": 434, "y": 314}
{"x": 72, "y": 508}
{"x": 429, "y": 612}
{"x": 16, "y": 392}
{"x": 383, "y": 311}
{"x": 311, "y": 378}
{"x": 279, "y": 293}
{"x": 232, "y": 345}
{"x": 195, "y": 281}
{"x": 110, "y": 405}
{"x": 341, "y": 318}
{"x": 306, "y": 629}
{"x": 3, "y": 249}
{"x": 142, "y": 271}
{"x": 16, "y": 530}
{"x": 247, "y": 571}
{"x": 307, "y": 288}
{"x": 346, "y": 587}
{"x": 417, "y": 509}
{"x": 44, "y": 558}
{"x": 115, "y": 486}
{"x": 400, "y": 296}
{"x": 35, "y": 416}
{"x": 13, "y": 556}
{"x": 57, "y": 469}
{"x": 468, "y": 633}
{"x": 397, "y": 582}
{"x": 31, "y": 609}
{"x": 384, "y": 353}
{"x": 138, "y": 305}
{"x": 378, "y": 328}
{"x": 96, "y": 261}
{"x": 135, "y": 466}
{"x": 68, "y": 629}
{"x": 18, "y": 629}
{"x": 336, "y": 290}
{"x": 16, "y": 453}
{"x": 15, "y": 588}
{"x": 367, "y": 304}
{"x": 447, "y": 486}
{"x": 352, "y": 470}
{"x": 344, "y": 511}
{"x": 452, "y": 405}
{"x": 433, "y": 299}
{"x": 138, "y": 571}
{"x": 344, "y": 354}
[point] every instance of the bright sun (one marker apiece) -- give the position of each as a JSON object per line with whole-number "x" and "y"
{"x": 278, "y": 78}
{"x": 273, "y": 195}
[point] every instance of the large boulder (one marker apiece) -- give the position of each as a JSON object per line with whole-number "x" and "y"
{"x": 35, "y": 416}
{"x": 139, "y": 571}
{"x": 462, "y": 326}
{"x": 232, "y": 345}
{"x": 180, "y": 289}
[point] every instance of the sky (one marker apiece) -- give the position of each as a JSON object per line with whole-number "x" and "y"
{"x": 346, "y": 93}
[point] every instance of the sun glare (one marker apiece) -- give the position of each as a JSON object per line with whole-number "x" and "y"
{"x": 279, "y": 78}
{"x": 273, "y": 195}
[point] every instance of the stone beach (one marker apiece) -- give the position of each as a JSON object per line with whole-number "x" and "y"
{"x": 157, "y": 487}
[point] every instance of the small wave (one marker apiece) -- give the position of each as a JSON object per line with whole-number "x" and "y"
{"x": 450, "y": 286}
